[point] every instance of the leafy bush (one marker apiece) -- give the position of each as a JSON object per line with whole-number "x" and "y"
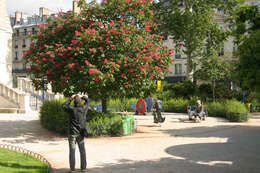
{"x": 236, "y": 111}
{"x": 178, "y": 105}
{"x": 118, "y": 105}
{"x": 216, "y": 109}
{"x": 223, "y": 90}
{"x": 205, "y": 91}
{"x": 53, "y": 117}
{"x": 235, "y": 106}
{"x": 185, "y": 89}
{"x": 100, "y": 123}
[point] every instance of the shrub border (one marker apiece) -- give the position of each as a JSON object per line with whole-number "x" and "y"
{"x": 25, "y": 151}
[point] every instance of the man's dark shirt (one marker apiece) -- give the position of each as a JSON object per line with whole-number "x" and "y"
{"x": 77, "y": 115}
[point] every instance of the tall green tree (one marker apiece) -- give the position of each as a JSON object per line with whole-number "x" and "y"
{"x": 246, "y": 31}
{"x": 106, "y": 50}
{"x": 190, "y": 24}
{"x": 213, "y": 69}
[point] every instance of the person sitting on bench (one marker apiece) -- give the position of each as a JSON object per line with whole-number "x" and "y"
{"x": 199, "y": 112}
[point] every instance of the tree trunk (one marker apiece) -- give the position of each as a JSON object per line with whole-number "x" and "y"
{"x": 213, "y": 89}
{"x": 104, "y": 104}
{"x": 189, "y": 69}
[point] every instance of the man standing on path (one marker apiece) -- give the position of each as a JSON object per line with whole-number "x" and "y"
{"x": 77, "y": 123}
{"x": 157, "y": 114}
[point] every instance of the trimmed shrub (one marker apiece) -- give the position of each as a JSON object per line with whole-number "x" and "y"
{"x": 118, "y": 105}
{"x": 237, "y": 117}
{"x": 178, "y": 105}
{"x": 100, "y": 123}
{"x": 236, "y": 111}
{"x": 216, "y": 109}
{"x": 53, "y": 118}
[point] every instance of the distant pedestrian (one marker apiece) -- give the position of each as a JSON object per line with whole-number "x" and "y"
{"x": 77, "y": 128}
{"x": 157, "y": 113}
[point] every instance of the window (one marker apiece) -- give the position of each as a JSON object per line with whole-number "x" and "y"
{"x": 33, "y": 31}
{"x": 178, "y": 68}
{"x": 25, "y": 32}
{"x": 16, "y": 43}
{"x": 177, "y": 55}
{"x": 221, "y": 51}
{"x": 17, "y": 33}
{"x": 16, "y": 56}
{"x": 24, "y": 53}
{"x": 24, "y": 43}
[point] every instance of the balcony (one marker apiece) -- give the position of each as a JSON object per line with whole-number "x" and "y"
{"x": 19, "y": 70}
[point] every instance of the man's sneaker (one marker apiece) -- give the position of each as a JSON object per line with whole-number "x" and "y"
{"x": 72, "y": 171}
{"x": 84, "y": 171}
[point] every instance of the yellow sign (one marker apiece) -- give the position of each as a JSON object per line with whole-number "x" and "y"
{"x": 159, "y": 85}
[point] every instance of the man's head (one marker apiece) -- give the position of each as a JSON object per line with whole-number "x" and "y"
{"x": 77, "y": 100}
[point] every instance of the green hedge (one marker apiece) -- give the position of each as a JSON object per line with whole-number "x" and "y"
{"x": 236, "y": 111}
{"x": 118, "y": 105}
{"x": 53, "y": 117}
{"x": 232, "y": 110}
{"x": 216, "y": 109}
{"x": 178, "y": 105}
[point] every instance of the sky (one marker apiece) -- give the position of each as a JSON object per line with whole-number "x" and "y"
{"x": 32, "y": 6}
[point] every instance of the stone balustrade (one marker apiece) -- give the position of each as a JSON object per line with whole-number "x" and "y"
{"x": 25, "y": 84}
{"x": 21, "y": 99}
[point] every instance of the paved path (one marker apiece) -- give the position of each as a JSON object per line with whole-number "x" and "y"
{"x": 179, "y": 146}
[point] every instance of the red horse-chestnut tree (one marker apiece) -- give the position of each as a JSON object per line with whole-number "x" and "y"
{"x": 106, "y": 50}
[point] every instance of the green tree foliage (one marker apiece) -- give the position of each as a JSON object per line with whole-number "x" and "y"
{"x": 212, "y": 70}
{"x": 247, "y": 34}
{"x": 191, "y": 25}
{"x": 106, "y": 50}
{"x": 185, "y": 89}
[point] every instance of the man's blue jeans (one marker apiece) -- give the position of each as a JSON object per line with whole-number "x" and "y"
{"x": 73, "y": 139}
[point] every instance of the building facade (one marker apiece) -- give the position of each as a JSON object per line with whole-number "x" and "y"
{"x": 24, "y": 25}
{"x": 5, "y": 46}
{"x": 178, "y": 70}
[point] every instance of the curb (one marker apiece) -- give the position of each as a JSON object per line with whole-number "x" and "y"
{"x": 25, "y": 151}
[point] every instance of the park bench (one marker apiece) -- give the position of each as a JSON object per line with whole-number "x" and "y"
{"x": 191, "y": 112}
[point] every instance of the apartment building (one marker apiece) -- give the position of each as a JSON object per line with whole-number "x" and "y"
{"x": 178, "y": 70}
{"x": 24, "y": 25}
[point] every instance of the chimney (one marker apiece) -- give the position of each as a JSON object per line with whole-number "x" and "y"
{"x": 76, "y": 9}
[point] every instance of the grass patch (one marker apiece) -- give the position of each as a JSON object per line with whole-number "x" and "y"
{"x": 13, "y": 162}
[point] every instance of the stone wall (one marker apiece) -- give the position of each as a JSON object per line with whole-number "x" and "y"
{"x": 5, "y": 46}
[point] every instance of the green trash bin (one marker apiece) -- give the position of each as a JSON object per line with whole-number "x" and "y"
{"x": 127, "y": 125}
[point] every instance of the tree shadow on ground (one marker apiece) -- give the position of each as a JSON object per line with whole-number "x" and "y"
{"x": 21, "y": 131}
{"x": 240, "y": 153}
{"x": 163, "y": 165}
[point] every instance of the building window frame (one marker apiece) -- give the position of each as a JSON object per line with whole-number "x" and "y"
{"x": 24, "y": 43}
{"x": 16, "y": 44}
{"x": 178, "y": 69}
{"x": 16, "y": 56}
